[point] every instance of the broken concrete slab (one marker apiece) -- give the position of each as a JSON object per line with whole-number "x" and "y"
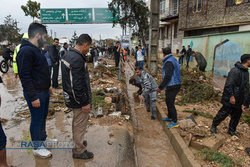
{"x": 186, "y": 124}
{"x": 212, "y": 143}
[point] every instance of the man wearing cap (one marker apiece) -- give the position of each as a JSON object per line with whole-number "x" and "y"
{"x": 201, "y": 61}
{"x": 171, "y": 83}
{"x": 234, "y": 98}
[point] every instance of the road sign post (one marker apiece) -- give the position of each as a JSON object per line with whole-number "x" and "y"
{"x": 80, "y": 15}
{"x": 52, "y": 16}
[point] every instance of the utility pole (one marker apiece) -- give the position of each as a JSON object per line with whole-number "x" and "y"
{"x": 153, "y": 37}
{"x": 51, "y": 33}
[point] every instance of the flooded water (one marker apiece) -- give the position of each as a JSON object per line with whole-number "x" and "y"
{"x": 152, "y": 146}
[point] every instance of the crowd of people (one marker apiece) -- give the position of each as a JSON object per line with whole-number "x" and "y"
{"x": 34, "y": 66}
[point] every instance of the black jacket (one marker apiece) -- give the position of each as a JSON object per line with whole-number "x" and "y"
{"x": 75, "y": 79}
{"x": 33, "y": 70}
{"x": 6, "y": 53}
{"x": 236, "y": 86}
{"x": 188, "y": 52}
{"x": 138, "y": 84}
{"x": 53, "y": 53}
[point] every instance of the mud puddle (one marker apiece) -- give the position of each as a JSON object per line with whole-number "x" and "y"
{"x": 152, "y": 146}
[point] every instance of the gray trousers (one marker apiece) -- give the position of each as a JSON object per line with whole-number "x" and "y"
{"x": 150, "y": 102}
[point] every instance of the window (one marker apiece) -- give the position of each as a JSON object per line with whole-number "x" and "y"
{"x": 236, "y": 2}
{"x": 175, "y": 29}
{"x": 197, "y": 6}
{"x": 176, "y": 6}
{"x": 162, "y": 6}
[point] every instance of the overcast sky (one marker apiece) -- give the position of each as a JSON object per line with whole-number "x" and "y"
{"x": 13, "y": 7}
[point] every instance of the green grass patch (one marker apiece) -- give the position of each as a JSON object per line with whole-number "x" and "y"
{"x": 206, "y": 115}
{"x": 98, "y": 101}
{"x": 245, "y": 118}
{"x": 216, "y": 156}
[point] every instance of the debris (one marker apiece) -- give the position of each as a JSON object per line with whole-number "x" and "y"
{"x": 99, "y": 112}
{"x": 193, "y": 138}
{"x": 111, "y": 134}
{"x": 106, "y": 81}
{"x": 241, "y": 148}
{"x": 101, "y": 93}
{"x": 186, "y": 124}
{"x": 234, "y": 138}
{"x": 197, "y": 134}
{"x": 108, "y": 100}
{"x": 116, "y": 114}
{"x": 16, "y": 123}
{"x": 192, "y": 118}
{"x": 110, "y": 142}
{"x": 127, "y": 117}
{"x": 120, "y": 123}
{"x": 248, "y": 150}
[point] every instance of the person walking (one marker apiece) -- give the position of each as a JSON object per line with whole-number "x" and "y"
{"x": 201, "y": 61}
{"x": 15, "y": 69}
{"x": 117, "y": 50}
{"x": 77, "y": 92}
{"x": 188, "y": 55}
{"x": 54, "y": 57}
{"x": 171, "y": 83}
{"x": 182, "y": 55}
{"x": 149, "y": 88}
{"x": 64, "y": 49}
{"x": 140, "y": 57}
{"x": 235, "y": 95}
{"x": 33, "y": 71}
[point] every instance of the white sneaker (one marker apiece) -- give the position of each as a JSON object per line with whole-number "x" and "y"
{"x": 42, "y": 152}
{"x": 50, "y": 140}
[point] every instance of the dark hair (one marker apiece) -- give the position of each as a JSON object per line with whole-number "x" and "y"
{"x": 65, "y": 43}
{"x": 132, "y": 80}
{"x": 35, "y": 28}
{"x": 183, "y": 46}
{"x": 84, "y": 38}
{"x": 136, "y": 47}
{"x": 56, "y": 39}
{"x": 189, "y": 45}
{"x": 138, "y": 68}
{"x": 117, "y": 42}
{"x": 139, "y": 45}
{"x": 166, "y": 51}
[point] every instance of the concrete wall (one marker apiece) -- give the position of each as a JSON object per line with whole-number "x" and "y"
{"x": 217, "y": 15}
{"x": 206, "y": 45}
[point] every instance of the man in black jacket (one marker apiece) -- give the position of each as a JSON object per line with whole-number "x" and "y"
{"x": 33, "y": 71}
{"x": 188, "y": 55}
{"x": 54, "y": 57}
{"x": 77, "y": 92}
{"x": 136, "y": 82}
{"x": 235, "y": 94}
{"x": 6, "y": 53}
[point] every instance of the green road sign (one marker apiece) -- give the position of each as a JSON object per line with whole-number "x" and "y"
{"x": 80, "y": 15}
{"x": 53, "y": 16}
{"x": 104, "y": 15}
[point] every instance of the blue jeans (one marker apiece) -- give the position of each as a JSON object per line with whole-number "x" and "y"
{"x": 2, "y": 138}
{"x": 141, "y": 64}
{"x": 38, "y": 116}
{"x": 181, "y": 60}
{"x": 55, "y": 75}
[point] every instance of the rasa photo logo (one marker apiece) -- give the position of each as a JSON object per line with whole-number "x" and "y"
{"x": 45, "y": 144}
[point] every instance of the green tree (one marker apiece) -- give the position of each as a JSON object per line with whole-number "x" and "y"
{"x": 9, "y": 30}
{"x": 74, "y": 38}
{"x": 132, "y": 13}
{"x": 32, "y": 9}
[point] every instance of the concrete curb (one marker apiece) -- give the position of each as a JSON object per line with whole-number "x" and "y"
{"x": 186, "y": 157}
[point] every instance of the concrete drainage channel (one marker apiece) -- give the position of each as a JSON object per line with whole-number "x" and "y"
{"x": 154, "y": 145}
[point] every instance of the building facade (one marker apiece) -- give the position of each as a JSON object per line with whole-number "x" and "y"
{"x": 219, "y": 29}
{"x": 169, "y": 34}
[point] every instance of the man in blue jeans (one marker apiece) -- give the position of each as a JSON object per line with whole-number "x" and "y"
{"x": 34, "y": 75}
{"x": 140, "y": 57}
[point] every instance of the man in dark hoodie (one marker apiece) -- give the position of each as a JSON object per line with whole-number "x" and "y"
{"x": 171, "y": 83}
{"x": 33, "y": 71}
{"x": 234, "y": 97}
{"x": 54, "y": 57}
{"x": 201, "y": 61}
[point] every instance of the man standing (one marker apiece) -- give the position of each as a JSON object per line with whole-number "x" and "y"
{"x": 171, "y": 83}
{"x": 117, "y": 50}
{"x": 140, "y": 57}
{"x": 235, "y": 92}
{"x": 64, "y": 49}
{"x": 201, "y": 61}
{"x": 182, "y": 54}
{"x": 54, "y": 57}
{"x": 6, "y": 53}
{"x": 34, "y": 74}
{"x": 188, "y": 55}
{"x": 149, "y": 88}
{"x": 77, "y": 92}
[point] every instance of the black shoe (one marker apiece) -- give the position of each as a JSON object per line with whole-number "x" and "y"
{"x": 213, "y": 129}
{"x": 232, "y": 133}
{"x": 85, "y": 143}
{"x": 152, "y": 118}
{"x": 85, "y": 155}
{"x": 148, "y": 110}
